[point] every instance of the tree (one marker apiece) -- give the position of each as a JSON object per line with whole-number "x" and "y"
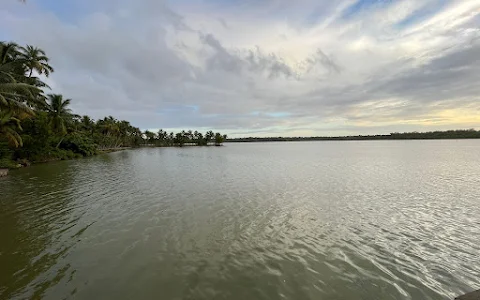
{"x": 198, "y": 138}
{"x": 208, "y": 137}
{"x": 218, "y": 139}
{"x": 189, "y": 136}
{"x": 180, "y": 139}
{"x": 35, "y": 59}
{"x": 150, "y": 136}
{"x": 16, "y": 94}
{"x": 87, "y": 124}
{"x": 161, "y": 136}
{"x": 9, "y": 128}
{"x": 59, "y": 114}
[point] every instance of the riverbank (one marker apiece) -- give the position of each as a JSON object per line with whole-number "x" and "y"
{"x": 6, "y": 165}
{"x": 110, "y": 150}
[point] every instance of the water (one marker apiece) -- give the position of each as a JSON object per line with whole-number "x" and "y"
{"x": 306, "y": 220}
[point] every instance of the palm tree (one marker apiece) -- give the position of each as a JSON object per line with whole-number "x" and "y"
{"x": 15, "y": 93}
{"x": 150, "y": 136}
{"x": 8, "y": 52}
{"x": 9, "y": 127}
{"x": 124, "y": 132}
{"x": 59, "y": 114}
{"x": 180, "y": 138}
{"x": 87, "y": 123}
{"x": 35, "y": 59}
{"x": 189, "y": 136}
{"x": 218, "y": 139}
{"x": 110, "y": 128}
{"x": 161, "y": 135}
{"x": 208, "y": 137}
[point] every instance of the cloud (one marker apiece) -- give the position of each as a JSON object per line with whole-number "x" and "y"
{"x": 272, "y": 67}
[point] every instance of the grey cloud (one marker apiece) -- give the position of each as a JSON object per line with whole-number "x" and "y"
{"x": 450, "y": 76}
{"x": 124, "y": 66}
{"x": 273, "y": 65}
{"x": 253, "y": 61}
{"x": 222, "y": 59}
{"x": 321, "y": 58}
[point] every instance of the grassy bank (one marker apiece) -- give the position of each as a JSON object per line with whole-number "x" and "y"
{"x": 9, "y": 162}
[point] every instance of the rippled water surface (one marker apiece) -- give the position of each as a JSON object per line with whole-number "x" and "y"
{"x": 319, "y": 220}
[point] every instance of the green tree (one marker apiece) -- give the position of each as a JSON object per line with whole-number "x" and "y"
{"x": 16, "y": 94}
{"x": 208, "y": 137}
{"x": 59, "y": 114}
{"x": 162, "y": 137}
{"x": 198, "y": 138}
{"x": 87, "y": 124}
{"x": 150, "y": 136}
{"x": 180, "y": 139}
{"x": 35, "y": 60}
{"x": 10, "y": 128}
{"x": 219, "y": 139}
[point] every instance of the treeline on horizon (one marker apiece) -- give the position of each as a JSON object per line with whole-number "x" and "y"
{"x": 431, "y": 135}
{"x": 39, "y": 127}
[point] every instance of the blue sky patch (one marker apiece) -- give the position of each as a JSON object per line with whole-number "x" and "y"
{"x": 422, "y": 14}
{"x": 362, "y": 5}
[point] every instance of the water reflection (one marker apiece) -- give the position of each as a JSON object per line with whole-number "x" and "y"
{"x": 35, "y": 211}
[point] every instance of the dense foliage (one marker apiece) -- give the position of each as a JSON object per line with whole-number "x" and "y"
{"x": 163, "y": 138}
{"x": 36, "y": 127}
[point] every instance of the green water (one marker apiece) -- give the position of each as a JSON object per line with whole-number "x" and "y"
{"x": 306, "y": 220}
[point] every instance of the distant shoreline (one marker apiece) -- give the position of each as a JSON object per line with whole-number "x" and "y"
{"x": 239, "y": 141}
{"x": 436, "y": 135}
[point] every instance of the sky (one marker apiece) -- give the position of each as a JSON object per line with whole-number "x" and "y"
{"x": 261, "y": 67}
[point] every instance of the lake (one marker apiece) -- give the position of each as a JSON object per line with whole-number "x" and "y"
{"x": 304, "y": 220}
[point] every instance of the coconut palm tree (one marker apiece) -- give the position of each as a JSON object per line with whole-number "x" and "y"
{"x": 35, "y": 59}
{"x": 8, "y": 52}
{"x": 59, "y": 114}
{"x": 209, "y": 136}
{"x": 150, "y": 136}
{"x": 87, "y": 123}
{"x": 162, "y": 136}
{"x": 218, "y": 139}
{"x": 9, "y": 128}
{"x": 15, "y": 93}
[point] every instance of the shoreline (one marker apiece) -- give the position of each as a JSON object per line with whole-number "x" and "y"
{"x": 340, "y": 139}
{"x": 26, "y": 163}
{"x": 111, "y": 150}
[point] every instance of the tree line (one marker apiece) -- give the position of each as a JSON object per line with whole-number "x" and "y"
{"x": 431, "y": 135}
{"x": 36, "y": 126}
{"x": 165, "y": 139}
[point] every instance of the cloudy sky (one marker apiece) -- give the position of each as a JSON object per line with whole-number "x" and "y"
{"x": 261, "y": 67}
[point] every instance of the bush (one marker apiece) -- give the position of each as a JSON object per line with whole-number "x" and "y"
{"x": 6, "y": 156}
{"x": 79, "y": 144}
{"x": 7, "y": 163}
